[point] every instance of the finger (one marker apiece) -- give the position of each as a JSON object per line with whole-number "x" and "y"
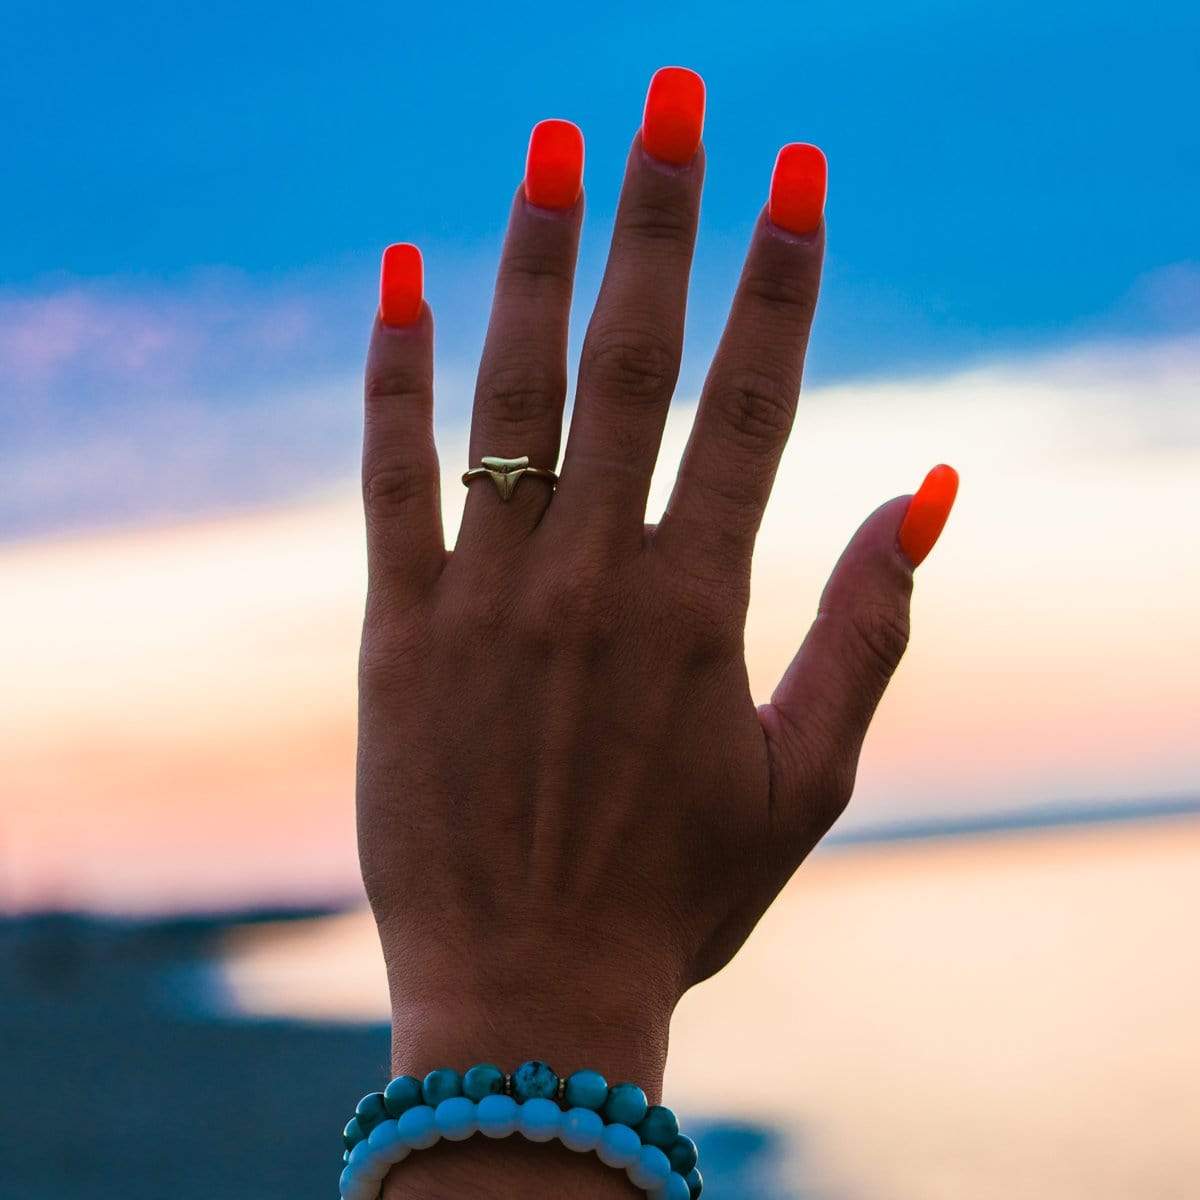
{"x": 523, "y": 373}
{"x": 749, "y": 398}
{"x": 401, "y": 497}
{"x": 631, "y": 353}
{"x": 819, "y": 714}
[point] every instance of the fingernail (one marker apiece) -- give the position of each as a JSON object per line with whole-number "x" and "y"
{"x": 554, "y": 166}
{"x": 798, "y": 188}
{"x": 401, "y": 284}
{"x": 674, "y": 117}
{"x": 927, "y": 513}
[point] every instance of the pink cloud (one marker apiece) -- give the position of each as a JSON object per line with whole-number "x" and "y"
{"x": 84, "y": 334}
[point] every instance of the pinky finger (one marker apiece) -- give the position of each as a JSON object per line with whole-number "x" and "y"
{"x": 401, "y": 491}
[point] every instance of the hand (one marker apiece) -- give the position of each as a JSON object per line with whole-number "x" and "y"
{"x": 570, "y": 809}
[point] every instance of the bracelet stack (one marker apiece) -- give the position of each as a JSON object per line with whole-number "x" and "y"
{"x": 581, "y": 1111}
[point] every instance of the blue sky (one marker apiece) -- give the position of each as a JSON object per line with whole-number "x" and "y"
{"x": 195, "y": 195}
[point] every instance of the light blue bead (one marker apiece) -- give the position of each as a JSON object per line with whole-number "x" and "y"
{"x": 581, "y": 1129}
{"x": 497, "y": 1116}
{"x": 619, "y": 1146}
{"x": 586, "y": 1089}
{"x": 540, "y": 1120}
{"x": 626, "y": 1105}
{"x": 363, "y": 1187}
{"x": 651, "y": 1170}
{"x": 386, "y": 1142}
{"x": 383, "y": 1133}
{"x": 675, "y": 1188}
{"x": 418, "y": 1127}
{"x": 456, "y": 1119}
{"x": 354, "y": 1185}
{"x": 359, "y": 1157}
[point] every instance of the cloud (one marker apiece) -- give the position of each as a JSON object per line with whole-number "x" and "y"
{"x": 211, "y": 661}
{"x": 111, "y": 340}
{"x": 214, "y": 393}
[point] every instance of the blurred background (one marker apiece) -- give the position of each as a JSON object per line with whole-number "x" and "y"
{"x": 986, "y": 984}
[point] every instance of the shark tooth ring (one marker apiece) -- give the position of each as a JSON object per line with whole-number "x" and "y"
{"x": 506, "y": 473}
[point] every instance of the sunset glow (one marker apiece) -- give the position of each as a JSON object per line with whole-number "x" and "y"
{"x": 186, "y": 705}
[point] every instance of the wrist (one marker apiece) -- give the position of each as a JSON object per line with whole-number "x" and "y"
{"x": 509, "y": 999}
{"x": 569, "y": 1031}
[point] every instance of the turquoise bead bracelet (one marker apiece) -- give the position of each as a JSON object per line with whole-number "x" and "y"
{"x": 581, "y": 1111}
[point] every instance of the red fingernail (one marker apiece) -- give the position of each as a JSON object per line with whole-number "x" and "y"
{"x": 674, "y": 116}
{"x": 554, "y": 166}
{"x": 401, "y": 284}
{"x": 798, "y": 188}
{"x": 927, "y": 513}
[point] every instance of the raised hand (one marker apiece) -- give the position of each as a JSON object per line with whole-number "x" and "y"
{"x": 570, "y": 808}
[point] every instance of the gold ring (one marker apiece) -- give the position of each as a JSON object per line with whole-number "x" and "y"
{"x": 506, "y": 473}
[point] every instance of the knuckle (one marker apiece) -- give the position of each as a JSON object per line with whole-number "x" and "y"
{"x": 734, "y": 499}
{"x": 521, "y": 394}
{"x": 784, "y": 293}
{"x": 881, "y": 637}
{"x": 661, "y": 218}
{"x": 825, "y": 777}
{"x": 483, "y": 614}
{"x": 578, "y": 601}
{"x": 390, "y": 489}
{"x": 710, "y": 611}
{"x": 398, "y": 388}
{"x": 631, "y": 363}
{"x": 536, "y": 276}
{"x": 572, "y": 611}
{"x": 761, "y": 407}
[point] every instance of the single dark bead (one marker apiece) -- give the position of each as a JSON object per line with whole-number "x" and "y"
{"x": 370, "y": 1111}
{"x": 353, "y": 1133}
{"x": 659, "y": 1127}
{"x": 695, "y": 1182}
{"x": 442, "y": 1084}
{"x": 586, "y": 1089}
{"x": 683, "y": 1154}
{"x": 345, "y": 1156}
{"x": 482, "y": 1080}
{"x": 403, "y": 1093}
{"x": 626, "y": 1105}
{"x": 534, "y": 1081}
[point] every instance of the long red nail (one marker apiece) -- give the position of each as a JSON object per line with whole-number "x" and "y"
{"x": 554, "y": 166}
{"x": 927, "y": 513}
{"x": 401, "y": 284}
{"x": 798, "y": 188}
{"x": 674, "y": 116}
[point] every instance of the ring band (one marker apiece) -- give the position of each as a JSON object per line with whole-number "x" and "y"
{"x": 506, "y": 473}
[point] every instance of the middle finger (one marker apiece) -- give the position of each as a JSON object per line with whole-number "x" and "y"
{"x": 631, "y": 353}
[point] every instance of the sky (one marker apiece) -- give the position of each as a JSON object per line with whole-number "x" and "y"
{"x": 193, "y": 199}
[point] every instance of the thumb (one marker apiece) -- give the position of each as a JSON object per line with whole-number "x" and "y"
{"x": 820, "y": 712}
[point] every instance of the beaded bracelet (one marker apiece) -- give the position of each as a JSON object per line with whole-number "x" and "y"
{"x": 581, "y": 1111}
